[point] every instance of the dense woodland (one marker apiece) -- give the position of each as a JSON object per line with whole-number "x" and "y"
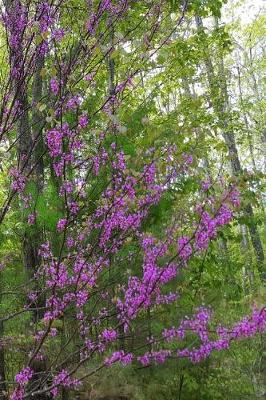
{"x": 132, "y": 200}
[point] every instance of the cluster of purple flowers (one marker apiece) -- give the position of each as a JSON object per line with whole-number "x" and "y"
{"x": 23, "y": 377}
{"x": 54, "y": 85}
{"x": 18, "y": 180}
{"x": 119, "y": 356}
{"x": 109, "y": 335}
{"x": 15, "y": 20}
{"x": 61, "y": 224}
{"x": 32, "y": 219}
{"x": 197, "y": 325}
{"x": 63, "y": 379}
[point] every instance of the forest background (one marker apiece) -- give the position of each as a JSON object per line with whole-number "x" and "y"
{"x": 161, "y": 103}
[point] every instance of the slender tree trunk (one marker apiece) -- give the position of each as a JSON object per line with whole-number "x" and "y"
{"x": 259, "y": 96}
{"x": 221, "y": 106}
{"x": 37, "y": 122}
{"x": 248, "y": 273}
{"x": 111, "y": 91}
{"x": 24, "y": 141}
{"x": 249, "y": 136}
{"x": 29, "y": 161}
{"x": 3, "y": 387}
{"x": 37, "y": 176}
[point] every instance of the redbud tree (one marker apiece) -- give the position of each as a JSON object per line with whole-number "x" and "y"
{"x": 82, "y": 198}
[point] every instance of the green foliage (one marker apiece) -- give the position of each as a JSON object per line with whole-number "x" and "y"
{"x": 179, "y": 99}
{"x": 49, "y": 207}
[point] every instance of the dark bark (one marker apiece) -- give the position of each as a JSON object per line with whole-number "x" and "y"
{"x": 28, "y": 152}
{"x": 37, "y": 122}
{"x": 24, "y": 140}
{"x": 32, "y": 241}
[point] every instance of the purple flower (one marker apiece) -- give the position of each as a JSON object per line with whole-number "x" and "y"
{"x": 59, "y": 167}
{"x": 73, "y": 103}
{"x": 54, "y": 85}
{"x": 188, "y": 158}
{"x": 83, "y": 121}
{"x": 184, "y": 248}
{"x": 54, "y": 140}
{"x": 45, "y": 250}
{"x": 53, "y": 332}
{"x": 63, "y": 379}
{"x": 18, "y": 394}
{"x": 61, "y": 224}
{"x": 205, "y": 185}
{"x": 73, "y": 207}
{"x": 32, "y": 296}
{"x": 234, "y": 198}
{"x": 144, "y": 360}
{"x": 70, "y": 242}
{"x": 81, "y": 298}
{"x": 149, "y": 173}
{"x": 120, "y": 356}
{"x": 109, "y": 335}
{"x": 31, "y": 218}
{"x": 19, "y": 181}
{"x": 23, "y": 377}
{"x": 58, "y": 34}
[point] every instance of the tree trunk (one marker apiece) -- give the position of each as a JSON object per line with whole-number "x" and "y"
{"x": 37, "y": 122}
{"x": 27, "y": 153}
{"x": 248, "y": 273}
{"x": 221, "y": 107}
{"x": 249, "y": 135}
{"x": 3, "y": 388}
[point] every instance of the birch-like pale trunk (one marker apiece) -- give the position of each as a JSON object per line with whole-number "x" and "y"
{"x": 222, "y": 108}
